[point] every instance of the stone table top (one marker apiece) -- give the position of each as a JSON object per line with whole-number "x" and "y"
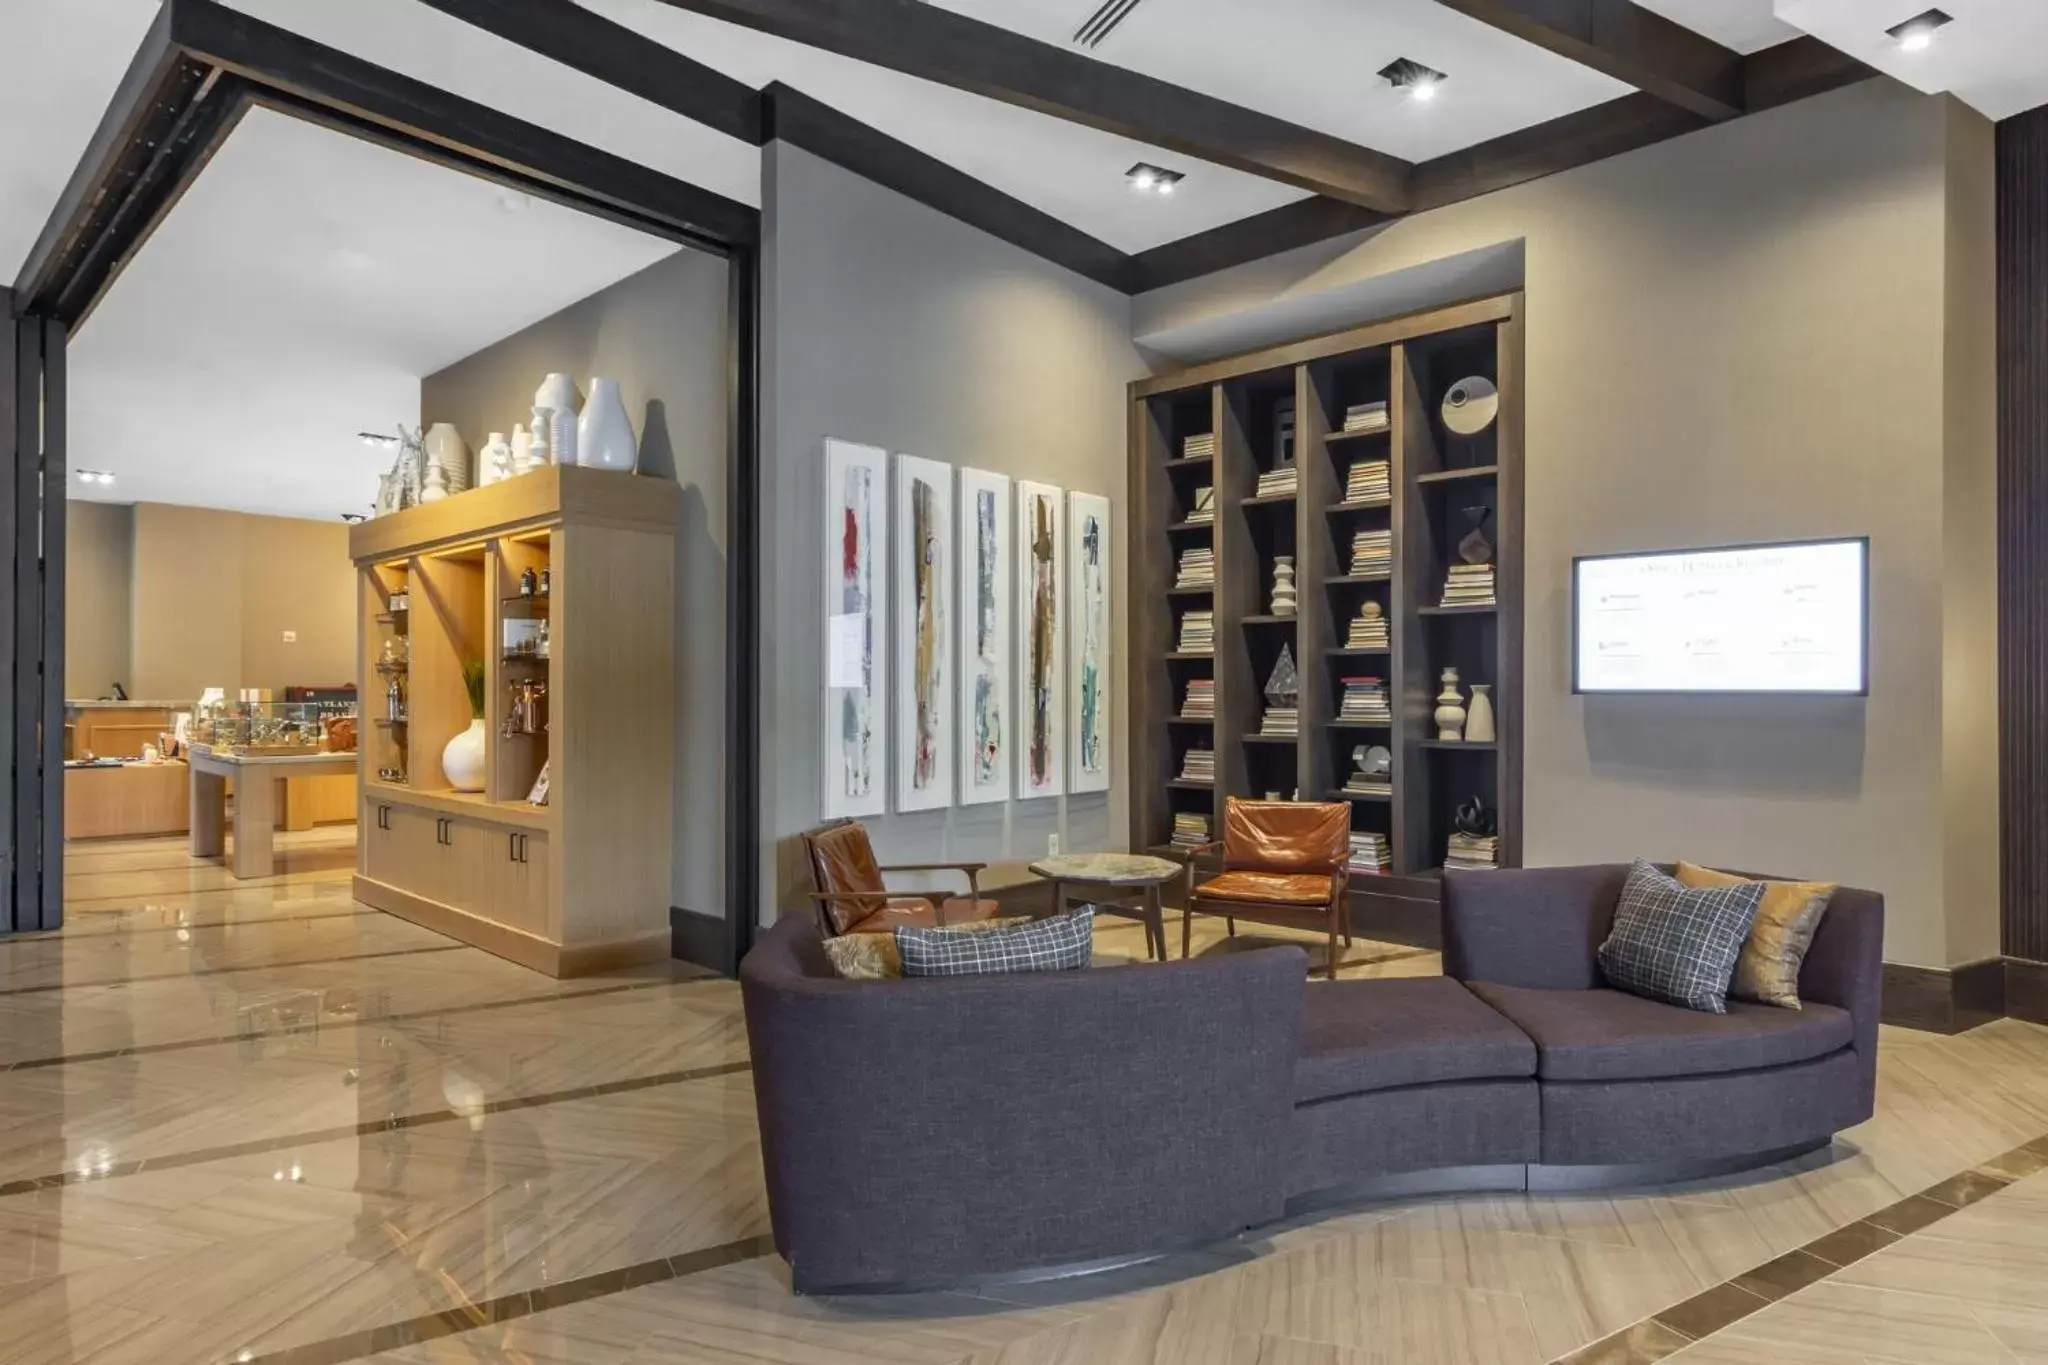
{"x": 1117, "y": 869}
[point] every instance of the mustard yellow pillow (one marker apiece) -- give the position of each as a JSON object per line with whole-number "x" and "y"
{"x": 873, "y": 957}
{"x": 1786, "y": 920}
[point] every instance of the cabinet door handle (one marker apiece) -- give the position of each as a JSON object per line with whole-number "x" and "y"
{"x": 522, "y": 848}
{"x": 511, "y": 848}
{"x": 441, "y": 830}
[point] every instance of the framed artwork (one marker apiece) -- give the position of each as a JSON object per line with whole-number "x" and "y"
{"x": 1041, "y": 698}
{"x": 984, "y": 597}
{"x": 1089, "y": 582}
{"x": 856, "y": 730}
{"x": 924, "y": 634}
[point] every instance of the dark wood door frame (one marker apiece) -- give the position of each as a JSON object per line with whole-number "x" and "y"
{"x": 201, "y": 67}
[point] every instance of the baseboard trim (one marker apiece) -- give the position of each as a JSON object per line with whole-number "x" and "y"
{"x": 501, "y": 940}
{"x": 1957, "y": 999}
{"x": 2026, "y": 990}
{"x": 698, "y": 938}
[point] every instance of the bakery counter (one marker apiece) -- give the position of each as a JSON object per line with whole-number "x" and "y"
{"x": 129, "y": 801}
{"x": 115, "y": 729}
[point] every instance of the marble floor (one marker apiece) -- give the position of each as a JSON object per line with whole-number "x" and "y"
{"x": 257, "y": 1122}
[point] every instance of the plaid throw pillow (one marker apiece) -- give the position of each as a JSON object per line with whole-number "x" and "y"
{"x": 1060, "y": 944}
{"x": 1675, "y": 944}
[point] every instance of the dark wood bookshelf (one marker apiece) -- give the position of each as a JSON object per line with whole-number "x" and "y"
{"x": 1440, "y": 482}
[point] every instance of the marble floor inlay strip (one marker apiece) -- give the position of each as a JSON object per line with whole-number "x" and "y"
{"x": 68, "y": 934}
{"x": 226, "y": 971}
{"x": 1673, "y": 1329}
{"x": 199, "y": 1156}
{"x": 402, "y": 1016}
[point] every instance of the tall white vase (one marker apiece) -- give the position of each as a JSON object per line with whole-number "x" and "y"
{"x": 1286, "y": 600}
{"x": 462, "y": 761}
{"x": 1479, "y": 715}
{"x": 1450, "y": 708}
{"x": 558, "y": 393}
{"x": 446, "y": 448}
{"x": 604, "y": 434}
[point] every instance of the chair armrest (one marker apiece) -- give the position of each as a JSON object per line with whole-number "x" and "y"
{"x": 826, "y": 897}
{"x": 1529, "y": 926}
{"x": 972, "y": 870}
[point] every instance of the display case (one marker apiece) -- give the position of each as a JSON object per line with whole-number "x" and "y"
{"x": 257, "y": 729}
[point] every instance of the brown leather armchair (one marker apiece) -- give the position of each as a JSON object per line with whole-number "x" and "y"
{"x": 852, "y": 899}
{"x": 1283, "y": 863}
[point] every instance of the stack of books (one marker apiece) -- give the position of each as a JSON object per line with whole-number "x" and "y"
{"x": 1365, "y": 699}
{"x": 1368, "y": 631}
{"x": 1274, "y": 482}
{"x": 1200, "y": 702}
{"x": 1198, "y": 633}
{"x": 1190, "y": 830}
{"x": 1471, "y": 851}
{"x": 1205, "y": 504}
{"x": 1469, "y": 585}
{"x": 1199, "y": 447}
{"x": 1198, "y": 765}
{"x": 1281, "y": 720}
{"x": 1369, "y": 853}
{"x": 1358, "y": 784}
{"x": 1366, "y": 417}
{"x": 1370, "y": 481}
{"x": 1372, "y": 553}
{"x": 1197, "y": 569}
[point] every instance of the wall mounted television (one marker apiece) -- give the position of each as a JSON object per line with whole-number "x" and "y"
{"x": 1791, "y": 618}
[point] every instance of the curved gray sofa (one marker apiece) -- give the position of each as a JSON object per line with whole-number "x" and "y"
{"x": 918, "y": 1133}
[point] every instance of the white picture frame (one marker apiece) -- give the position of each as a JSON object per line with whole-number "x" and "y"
{"x": 1040, "y": 758}
{"x": 987, "y": 730}
{"x": 923, "y": 608}
{"x": 854, "y": 740}
{"x": 1091, "y": 597}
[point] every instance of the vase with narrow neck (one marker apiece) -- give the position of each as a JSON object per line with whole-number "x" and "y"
{"x": 604, "y": 434}
{"x": 1450, "y": 709}
{"x": 558, "y": 394}
{"x": 1285, "y": 600}
{"x": 1479, "y": 715}
{"x": 462, "y": 761}
{"x": 447, "y": 451}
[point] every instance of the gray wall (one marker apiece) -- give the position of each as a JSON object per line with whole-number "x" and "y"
{"x": 662, "y": 335}
{"x": 892, "y": 325}
{"x": 98, "y": 569}
{"x": 1773, "y": 328}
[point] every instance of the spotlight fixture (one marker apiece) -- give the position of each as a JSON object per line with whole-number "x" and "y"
{"x": 1917, "y": 33}
{"x": 376, "y": 438}
{"x": 98, "y": 476}
{"x": 1413, "y": 79}
{"x": 1153, "y": 179}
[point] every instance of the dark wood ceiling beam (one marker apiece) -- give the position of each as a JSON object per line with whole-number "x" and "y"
{"x": 938, "y": 45}
{"x": 1655, "y": 55}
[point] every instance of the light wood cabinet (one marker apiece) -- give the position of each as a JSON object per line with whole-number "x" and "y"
{"x": 582, "y": 883}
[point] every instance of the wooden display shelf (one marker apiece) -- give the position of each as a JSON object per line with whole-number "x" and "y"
{"x": 1371, "y": 798}
{"x": 1357, "y": 435}
{"x": 1348, "y": 652}
{"x": 1476, "y": 746}
{"x": 1361, "y": 505}
{"x": 1191, "y": 462}
{"x": 1341, "y": 580}
{"x": 1458, "y": 611}
{"x": 451, "y": 802}
{"x": 1482, "y": 471}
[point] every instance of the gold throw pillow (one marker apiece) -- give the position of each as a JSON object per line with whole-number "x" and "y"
{"x": 873, "y": 957}
{"x": 1786, "y": 921}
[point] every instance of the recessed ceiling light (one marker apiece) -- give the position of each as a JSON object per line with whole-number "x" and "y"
{"x": 1413, "y": 79}
{"x": 1147, "y": 178}
{"x": 1917, "y": 33}
{"x": 98, "y": 476}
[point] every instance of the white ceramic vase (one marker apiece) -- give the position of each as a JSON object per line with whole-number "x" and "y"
{"x": 1285, "y": 600}
{"x": 541, "y": 448}
{"x": 447, "y": 451}
{"x": 558, "y": 394}
{"x": 1450, "y": 708}
{"x": 604, "y": 434}
{"x": 462, "y": 761}
{"x": 1479, "y": 715}
{"x": 498, "y": 455}
{"x": 437, "y": 484}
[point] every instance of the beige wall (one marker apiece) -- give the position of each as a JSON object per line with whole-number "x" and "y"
{"x": 204, "y": 599}
{"x": 1775, "y": 328}
{"x": 99, "y": 545}
{"x": 890, "y": 324}
{"x": 662, "y": 335}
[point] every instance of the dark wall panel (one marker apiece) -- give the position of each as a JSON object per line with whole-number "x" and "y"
{"x": 2023, "y": 530}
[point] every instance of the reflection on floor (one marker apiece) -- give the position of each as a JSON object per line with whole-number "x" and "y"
{"x": 255, "y": 1122}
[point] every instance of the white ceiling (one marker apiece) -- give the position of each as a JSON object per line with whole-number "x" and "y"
{"x": 64, "y": 61}
{"x": 296, "y": 296}
{"x": 1994, "y": 56}
{"x": 1313, "y": 62}
{"x": 1744, "y": 25}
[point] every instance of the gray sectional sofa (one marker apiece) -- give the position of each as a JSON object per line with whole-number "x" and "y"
{"x": 928, "y": 1132}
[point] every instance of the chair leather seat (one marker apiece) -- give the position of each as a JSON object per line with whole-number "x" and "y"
{"x": 910, "y": 912}
{"x": 1271, "y": 888}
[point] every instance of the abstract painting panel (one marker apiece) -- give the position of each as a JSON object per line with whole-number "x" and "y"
{"x": 1041, "y": 694}
{"x": 856, "y": 729}
{"x": 924, "y": 614}
{"x": 1089, "y": 578}
{"x": 987, "y": 734}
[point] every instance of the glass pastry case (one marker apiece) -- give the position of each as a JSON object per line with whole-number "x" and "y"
{"x": 258, "y": 728}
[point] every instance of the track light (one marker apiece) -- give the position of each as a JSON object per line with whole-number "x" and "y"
{"x": 1917, "y": 33}
{"x": 98, "y": 476}
{"x": 1413, "y": 79}
{"x": 1146, "y": 178}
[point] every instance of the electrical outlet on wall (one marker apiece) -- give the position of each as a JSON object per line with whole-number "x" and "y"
{"x": 1052, "y": 845}
{"x": 291, "y": 637}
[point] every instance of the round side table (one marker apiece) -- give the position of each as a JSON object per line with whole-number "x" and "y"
{"x": 1123, "y": 877}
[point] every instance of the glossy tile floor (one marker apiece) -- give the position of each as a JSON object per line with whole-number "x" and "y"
{"x": 256, "y": 1122}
